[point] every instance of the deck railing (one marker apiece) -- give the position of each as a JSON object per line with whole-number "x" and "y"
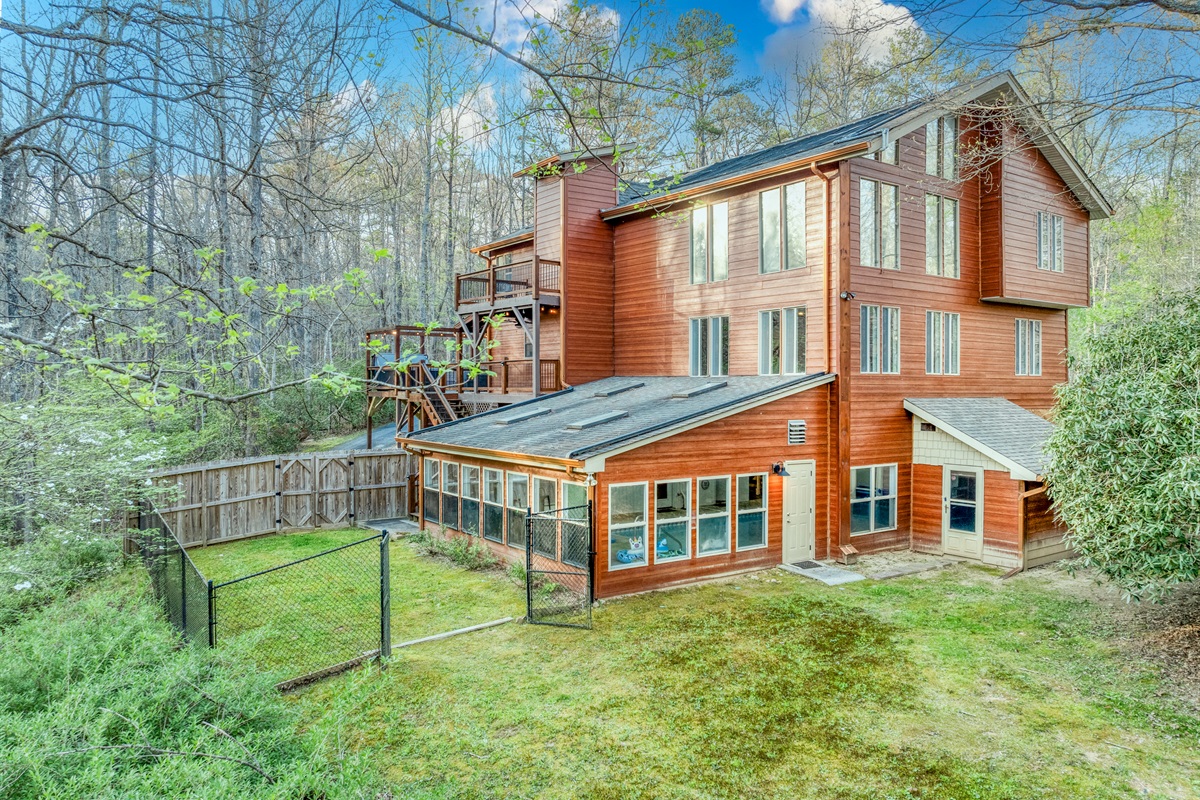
{"x": 515, "y": 375}
{"x": 531, "y": 278}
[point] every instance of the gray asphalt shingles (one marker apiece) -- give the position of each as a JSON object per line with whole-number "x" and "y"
{"x": 1001, "y": 425}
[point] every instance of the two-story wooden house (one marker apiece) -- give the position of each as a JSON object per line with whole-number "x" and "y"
{"x": 841, "y": 344}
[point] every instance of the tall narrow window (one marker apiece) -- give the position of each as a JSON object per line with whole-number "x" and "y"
{"x": 751, "y": 511}
{"x": 941, "y": 236}
{"x": 710, "y": 243}
{"x": 627, "y": 525}
{"x": 545, "y": 531}
{"x": 450, "y": 494}
{"x": 518, "y": 506}
{"x": 941, "y": 343}
{"x": 1050, "y": 241}
{"x": 769, "y": 342}
{"x": 879, "y": 224}
{"x": 493, "y": 505}
{"x": 783, "y": 237}
{"x": 795, "y": 340}
{"x": 1029, "y": 347}
{"x": 672, "y": 520}
{"x": 433, "y": 497}
{"x": 872, "y": 499}
{"x": 470, "y": 500}
{"x": 879, "y": 339}
{"x": 941, "y": 147}
{"x": 576, "y": 536}
{"x": 712, "y": 516}
{"x": 708, "y": 346}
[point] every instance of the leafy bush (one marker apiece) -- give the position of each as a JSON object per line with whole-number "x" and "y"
{"x": 98, "y": 700}
{"x": 48, "y": 567}
{"x": 464, "y": 551}
{"x": 1125, "y": 456}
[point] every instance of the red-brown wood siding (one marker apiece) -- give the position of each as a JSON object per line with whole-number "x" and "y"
{"x": 547, "y": 239}
{"x": 654, "y": 296}
{"x": 1041, "y": 522}
{"x": 1001, "y": 513}
{"x": 749, "y": 442}
{"x": 511, "y": 338}
{"x": 588, "y": 274}
{"x": 926, "y": 504}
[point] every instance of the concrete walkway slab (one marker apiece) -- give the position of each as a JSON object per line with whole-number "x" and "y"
{"x": 828, "y": 575}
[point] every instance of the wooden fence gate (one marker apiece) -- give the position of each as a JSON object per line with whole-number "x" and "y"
{"x": 227, "y": 500}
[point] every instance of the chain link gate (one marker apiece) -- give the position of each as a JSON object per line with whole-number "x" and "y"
{"x": 558, "y": 566}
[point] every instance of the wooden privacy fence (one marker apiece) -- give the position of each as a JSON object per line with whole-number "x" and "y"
{"x": 226, "y": 500}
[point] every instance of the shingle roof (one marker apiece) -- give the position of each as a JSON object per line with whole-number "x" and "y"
{"x": 793, "y": 150}
{"x": 993, "y": 425}
{"x": 572, "y": 424}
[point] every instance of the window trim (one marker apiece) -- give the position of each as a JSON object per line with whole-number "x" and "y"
{"x": 713, "y": 272}
{"x": 644, "y": 524}
{"x": 728, "y": 515}
{"x": 865, "y": 347}
{"x": 686, "y": 519}
{"x": 765, "y": 511}
{"x": 718, "y": 358}
{"x": 1028, "y": 328}
{"x": 944, "y": 351}
{"x": 895, "y": 496}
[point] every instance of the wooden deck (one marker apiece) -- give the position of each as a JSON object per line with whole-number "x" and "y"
{"x": 508, "y": 285}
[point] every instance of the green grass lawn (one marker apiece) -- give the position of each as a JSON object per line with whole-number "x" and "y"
{"x": 950, "y": 684}
{"x": 326, "y": 610}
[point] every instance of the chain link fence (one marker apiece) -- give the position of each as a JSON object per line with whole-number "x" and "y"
{"x": 309, "y": 618}
{"x": 558, "y": 567}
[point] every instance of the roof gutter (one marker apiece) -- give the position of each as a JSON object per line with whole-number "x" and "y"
{"x": 543, "y": 462}
{"x": 515, "y": 238}
{"x": 737, "y": 180}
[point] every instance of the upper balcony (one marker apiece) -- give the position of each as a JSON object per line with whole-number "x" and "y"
{"x": 508, "y": 286}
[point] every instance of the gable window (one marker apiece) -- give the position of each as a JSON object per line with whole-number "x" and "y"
{"x": 751, "y": 511}
{"x": 879, "y": 224}
{"x": 1029, "y": 347}
{"x": 493, "y": 505}
{"x": 672, "y": 520}
{"x": 450, "y": 494}
{"x": 941, "y": 147}
{"x": 872, "y": 499}
{"x": 710, "y": 243}
{"x": 518, "y": 506}
{"x": 576, "y": 536}
{"x": 782, "y": 238}
{"x": 470, "y": 500}
{"x": 782, "y": 341}
{"x": 879, "y": 339}
{"x": 709, "y": 346}
{"x": 626, "y": 525}
{"x": 941, "y": 236}
{"x": 433, "y": 498}
{"x": 941, "y": 343}
{"x": 1050, "y": 241}
{"x": 712, "y": 517}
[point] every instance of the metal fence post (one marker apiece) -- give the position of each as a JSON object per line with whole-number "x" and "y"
{"x": 591, "y": 555}
{"x": 212, "y": 615}
{"x": 385, "y": 597}
{"x": 529, "y": 564}
{"x": 182, "y": 589}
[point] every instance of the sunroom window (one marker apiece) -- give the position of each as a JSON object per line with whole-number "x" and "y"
{"x": 545, "y": 531}
{"x": 627, "y": 525}
{"x": 493, "y": 505}
{"x": 872, "y": 499}
{"x": 518, "y": 506}
{"x": 712, "y": 518}
{"x": 576, "y": 537}
{"x": 752, "y": 511}
{"x": 450, "y": 494}
{"x": 433, "y": 499}
{"x": 470, "y": 500}
{"x": 672, "y": 520}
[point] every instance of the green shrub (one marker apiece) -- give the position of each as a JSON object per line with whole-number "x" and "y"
{"x": 99, "y": 700}
{"x": 464, "y": 551}
{"x": 50, "y": 566}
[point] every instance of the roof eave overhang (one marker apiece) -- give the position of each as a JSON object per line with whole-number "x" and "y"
{"x": 542, "y": 462}
{"x": 1016, "y": 471}
{"x": 594, "y": 457}
{"x": 661, "y": 202}
{"x": 569, "y": 157}
{"x": 507, "y": 241}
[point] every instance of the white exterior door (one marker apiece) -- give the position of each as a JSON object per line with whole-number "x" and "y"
{"x": 962, "y": 511}
{"x": 799, "y": 511}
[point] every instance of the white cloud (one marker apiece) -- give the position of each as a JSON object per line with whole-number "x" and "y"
{"x": 510, "y": 21}
{"x": 810, "y": 24}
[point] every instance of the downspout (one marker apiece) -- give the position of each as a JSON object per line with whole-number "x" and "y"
{"x": 826, "y": 249}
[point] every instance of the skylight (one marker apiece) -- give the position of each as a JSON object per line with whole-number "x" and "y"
{"x": 599, "y": 419}
{"x": 683, "y": 394}
{"x": 618, "y": 390}
{"x": 522, "y": 416}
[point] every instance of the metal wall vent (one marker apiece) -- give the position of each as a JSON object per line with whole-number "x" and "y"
{"x": 797, "y": 431}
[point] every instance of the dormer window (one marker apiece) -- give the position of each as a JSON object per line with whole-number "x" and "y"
{"x": 941, "y": 147}
{"x": 710, "y": 243}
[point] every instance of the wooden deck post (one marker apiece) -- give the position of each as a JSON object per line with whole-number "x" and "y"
{"x": 536, "y": 366}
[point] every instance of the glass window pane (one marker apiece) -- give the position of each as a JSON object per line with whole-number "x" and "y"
{"x": 1058, "y": 244}
{"x": 518, "y": 491}
{"x": 694, "y": 335}
{"x": 950, "y": 237}
{"x": 751, "y": 529}
{"x": 470, "y": 482}
{"x": 932, "y": 236}
{"x": 933, "y": 342}
{"x": 722, "y": 335}
{"x": 962, "y": 485}
{"x": 450, "y": 478}
{"x": 720, "y": 241}
{"x": 860, "y": 517}
{"x": 712, "y": 495}
{"x": 575, "y": 500}
{"x": 795, "y": 340}
{"x": 795, "y": 226}
{"x": 704, "y": 359}
{"x": 671, "y": 540}
{"x": 860, "y": 483}
{"x": 885, "y": 510}
{"x": 627, "y": 504}
{"x": 626, "y": 525}
{"x": 431, "y": 473}
{"x": 962, "y": 517}
{"x": 774, "y": 339}
{"x": 889, "y": 223}
{"x": 885, "y": 481}
{"x": 889, "y": 321}
{"x": 699, "y": 245}
{"x": 952, "y": 344}
{"x": 1036, "y": 349}
{"x": 868, "y": 224}
{"x": 545, "y": 495}
{"x": 949, "y": 146}
{"x": 671, "y": 499}
{"x": 712, "y": 535}
{"x": 931, "y": 148}
{"x": 751, "y": 492}
{"x": 769, "y": 230}
{"x": 493, "y": 523}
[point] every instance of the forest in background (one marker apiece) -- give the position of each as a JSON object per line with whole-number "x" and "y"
{"x": 203, "y": 205}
